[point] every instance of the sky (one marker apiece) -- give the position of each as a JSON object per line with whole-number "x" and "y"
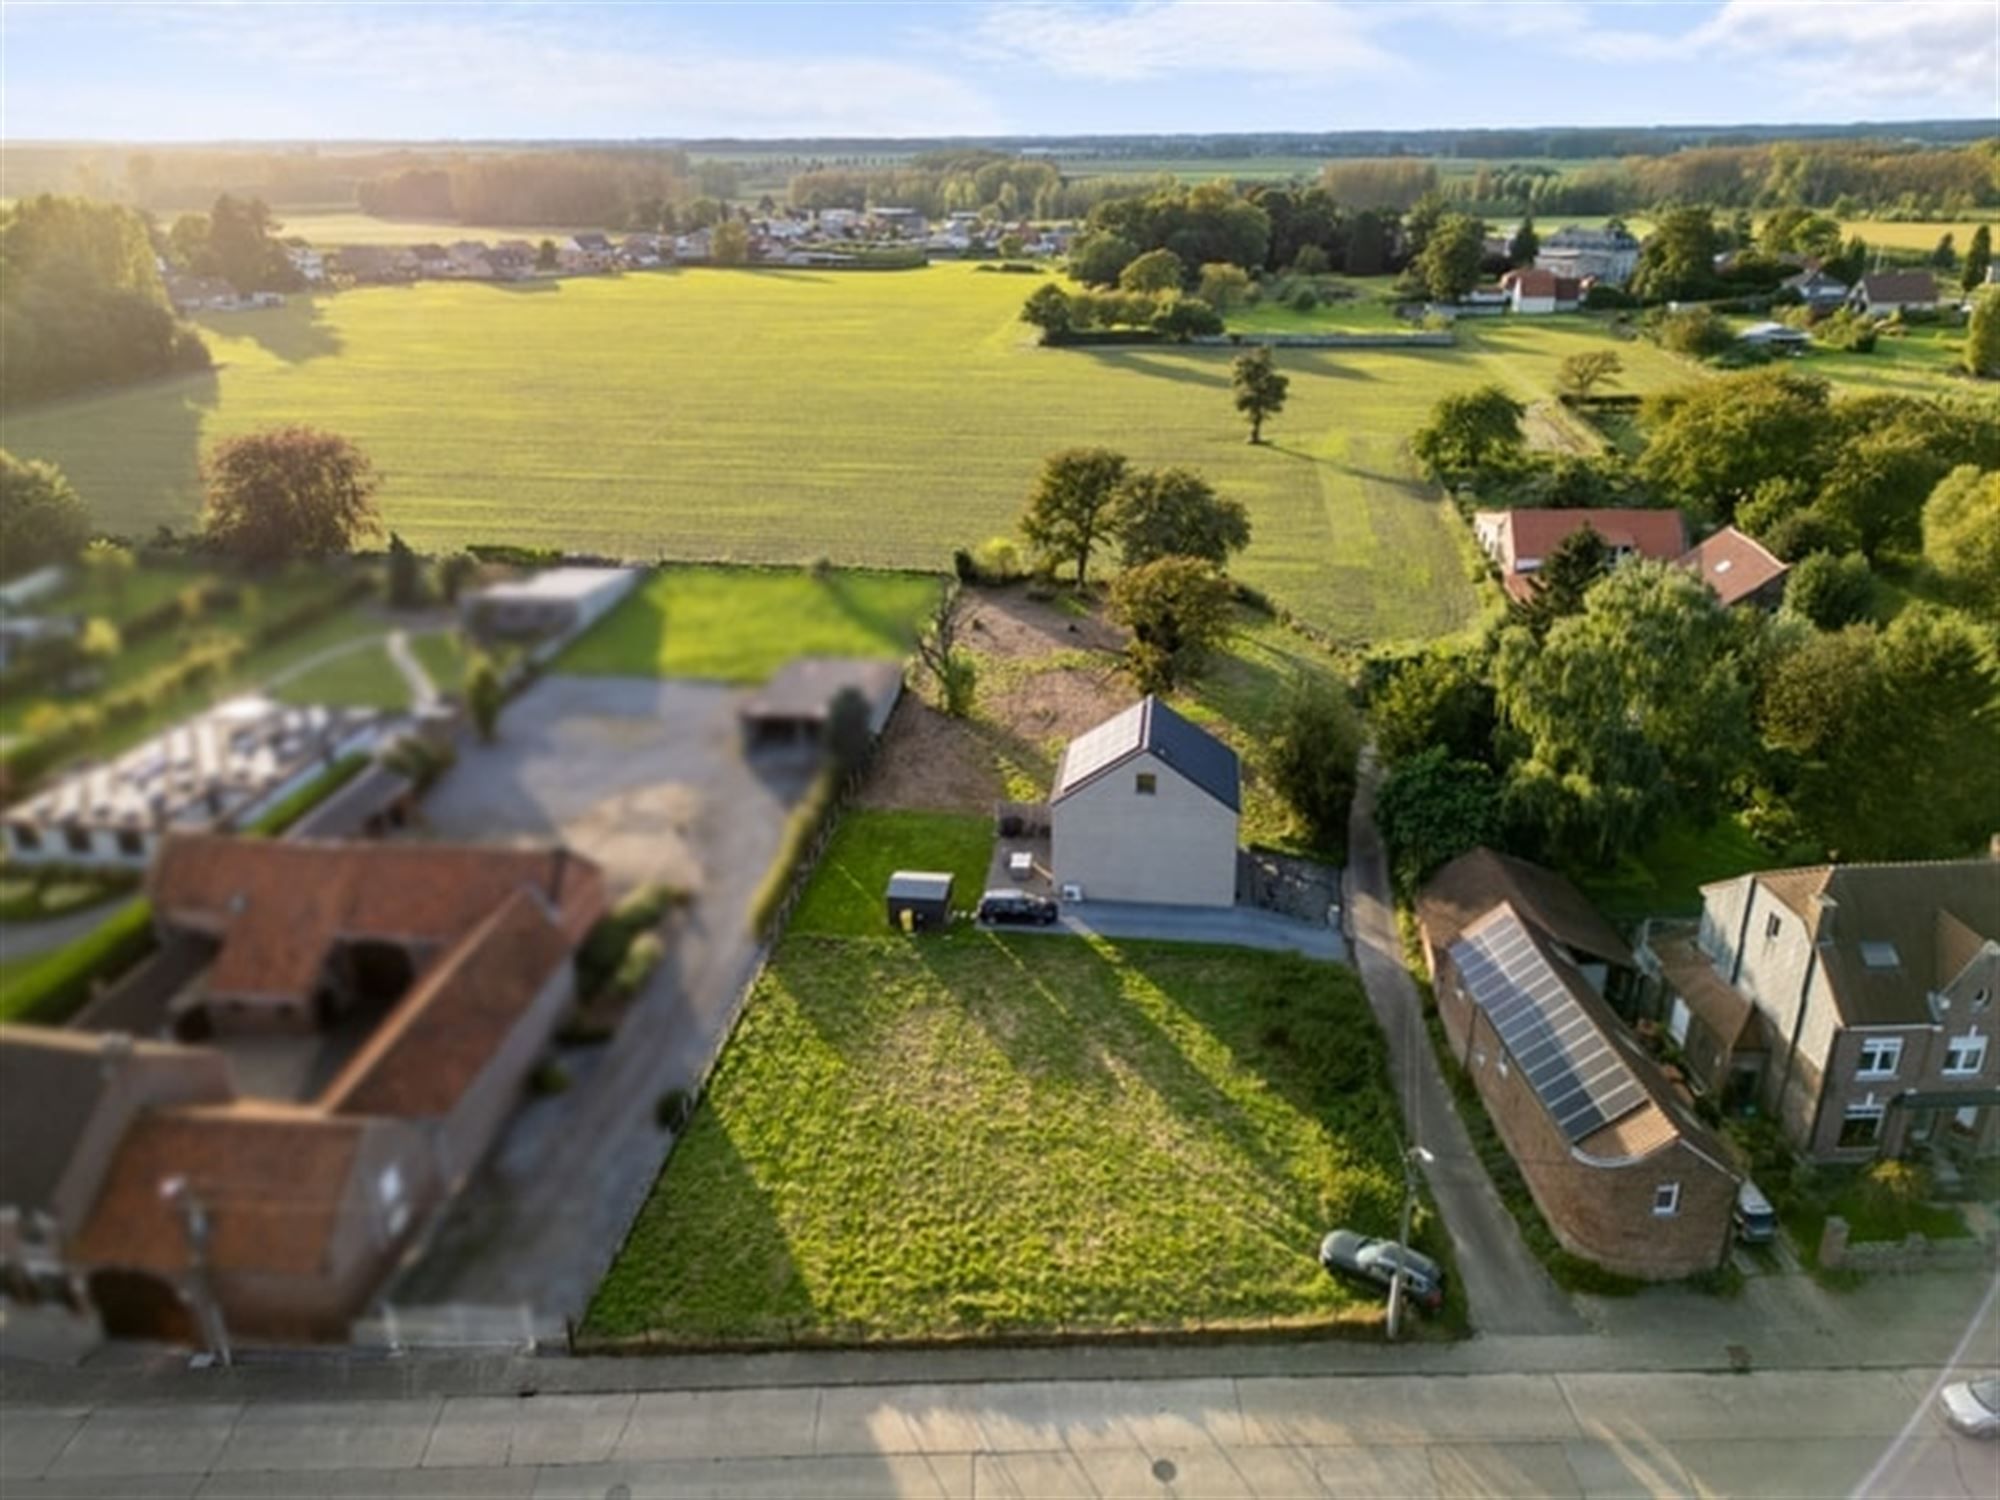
{"x": 470, "y": 71}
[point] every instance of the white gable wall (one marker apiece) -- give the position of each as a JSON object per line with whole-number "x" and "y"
{"x": 1176, "y": 846}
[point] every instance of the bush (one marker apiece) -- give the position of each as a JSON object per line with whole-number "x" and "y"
{"x": 601, "y": 958}
{"x": 963, "y": 568}
{"x": 420, "y": 760}
{"x": 999, "y": 560}
{"x": 1305, "y": 299}
{"x": 801, "y": 831}
{"x": 1313, "y": 750}
{"x": 1693, "y": 331}
{"x": 549, "y": 1077}
{"x": 673, "y": 1109}
{"x": 53, "y": 989}
{"x": 641, "y": 959}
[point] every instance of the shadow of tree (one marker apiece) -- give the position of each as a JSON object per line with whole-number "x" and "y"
{"x": 295, "y": 333}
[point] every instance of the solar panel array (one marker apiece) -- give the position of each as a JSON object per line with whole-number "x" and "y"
{"x": 1567, "y": 1060}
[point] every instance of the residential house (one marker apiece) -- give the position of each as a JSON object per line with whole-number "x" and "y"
{"x": 308, "y": 262}
{"x": 587, "y": 253}
{"x": 1739, "y": 569}
{"x": 511, "y": 260}
{"x": 1881, "y": 294}
{"x": 1820, "y": 292}
{"x": 1873, "y": 989}
{"x": 901, "y": 223}
{"x": 358, "y": 1039}
{"x": 1537, "y": 291}
{"x": 641, "y": 251}
{"x": 471, "y": 260}
{"x": 1612, "y": 1154}
{"x": 1609, "y": 255}
{"x": 192, "y": 294}
{"x": 1518, "y": 540}
{"x": 1145, "y": 808}
{"x": 1777, "y": 337}
{"x": 373, "y": 264}
{"x": 434, "y": 261}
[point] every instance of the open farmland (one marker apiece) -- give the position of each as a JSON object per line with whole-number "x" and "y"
{"x": 785, "y": 415}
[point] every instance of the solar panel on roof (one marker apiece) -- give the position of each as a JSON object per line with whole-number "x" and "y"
{"x": 1567, "y": 1060}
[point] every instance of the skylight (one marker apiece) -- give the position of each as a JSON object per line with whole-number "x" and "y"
{"x": 1880, "y": 956}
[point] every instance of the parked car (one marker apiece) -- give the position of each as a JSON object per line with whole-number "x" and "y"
{"x": 1756, "y": 1220}
{"x": 1973, "y": 1406}
{"x": 1360, "y": 1258}
{"x": 1017, "y": 907}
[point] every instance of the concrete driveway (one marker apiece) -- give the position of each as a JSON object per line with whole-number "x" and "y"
{"x": 1507, "y": 1287}
{"x": 1236, "y": 927}
{"x": 649, "y": 779}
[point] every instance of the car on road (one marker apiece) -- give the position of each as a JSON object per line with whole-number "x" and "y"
{"x": 1973, "y": 1406}
{"x": 1359, "y": 1257}
{"x": 1017, "y": 908}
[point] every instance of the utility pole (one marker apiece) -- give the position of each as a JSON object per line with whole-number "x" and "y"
{"x": 195, "y": 1224}
{"x": 1412, "y": 1155}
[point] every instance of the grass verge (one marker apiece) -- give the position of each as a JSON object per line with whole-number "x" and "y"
{"x": 848, "y": 890}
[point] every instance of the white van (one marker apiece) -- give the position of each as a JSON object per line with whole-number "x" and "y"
{"x": 1756, "y": 1220}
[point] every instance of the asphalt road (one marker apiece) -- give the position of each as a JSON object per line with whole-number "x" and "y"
{"x": 1509, "y": 1291}
{"x": 1780, "y": 1433}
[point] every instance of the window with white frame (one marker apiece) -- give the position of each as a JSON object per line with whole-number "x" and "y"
{"x": 1666, "y": 1200}
{"x": 1861, "y": 1125}
{"x": 1965, "y": 1054}
{"x": 1880, "y": 1057}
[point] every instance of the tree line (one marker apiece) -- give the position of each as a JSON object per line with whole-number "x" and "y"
{"x": 611, "y": 189}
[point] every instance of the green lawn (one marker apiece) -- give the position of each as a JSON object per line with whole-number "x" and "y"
{"x": 846, "y": 895}
{"x": 442, "y": 655}
{"x": 742, "y": 624}
{"x": 785, "y": 415}
{"x": 361, "y": 678}
{"x": 966, "y": 1134}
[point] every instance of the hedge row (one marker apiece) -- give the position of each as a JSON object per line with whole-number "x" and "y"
{"x": 53, "y": 989}
{"x": 802, "y": 831}
{"x": 283, "y": 815}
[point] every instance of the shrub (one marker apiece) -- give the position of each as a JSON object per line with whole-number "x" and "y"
{"x": 963, "y": 568}
{"x": 999, "y": 560}
{"x": 1312, "y": 756}
{"x": 601, "y": 958}
{"x": 51, "y": 990}
{"x": 420, "y": 760}
{"x": 801, "y": 831}
{"x": 549, "y": 1077}
{"x": 673, "y": 1109}
{"x": 641, "y": 959}
{"x": 1305, "y": 299}
{"x": 1693, "y": 331}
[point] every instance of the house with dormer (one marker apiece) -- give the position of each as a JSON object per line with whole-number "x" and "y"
{"x": 1864, "y": 1000}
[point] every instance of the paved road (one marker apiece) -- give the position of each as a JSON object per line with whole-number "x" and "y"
{"x": 1508, "y": 1289}
{"x": 1237, "y": 926}
{"x": 1779, "y": 1433}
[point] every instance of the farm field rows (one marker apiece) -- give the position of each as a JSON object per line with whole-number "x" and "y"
{"x": 781, "y": 416}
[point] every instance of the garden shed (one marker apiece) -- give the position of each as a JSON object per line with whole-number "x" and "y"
{"x": 919, "y": 899}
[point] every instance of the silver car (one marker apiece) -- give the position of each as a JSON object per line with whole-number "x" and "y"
{"x": 1973, "y": 1406}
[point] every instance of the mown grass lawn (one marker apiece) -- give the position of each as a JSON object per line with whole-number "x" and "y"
{"x": 847, "y": 892}
{"x": 742, "y": 624}
{"x": 1665, "y": 878}
{"x": 364, "y": 677}
{"x": 966, "y": 1134}
{"x": 781, "y": 415}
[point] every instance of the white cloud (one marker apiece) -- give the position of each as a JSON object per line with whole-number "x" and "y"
{"x": 542, "y": 71}
{"x": 1294, "y": 40}
{"x": 1932, "y": 57}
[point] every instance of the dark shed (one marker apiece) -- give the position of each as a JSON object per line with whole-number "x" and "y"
{"x": 920, "y": 899}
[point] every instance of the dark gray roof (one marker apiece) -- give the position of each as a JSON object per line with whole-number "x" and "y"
{"x": 50, "y": 1082}
{"x": 1531, "y": 999}
{"x": 919, "y": 885}
{"x": 1150, "y": 727}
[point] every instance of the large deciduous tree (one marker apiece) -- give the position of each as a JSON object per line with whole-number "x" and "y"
{"x": 292, "y": 492}
{"x": 1047, "y": 308}
{"x": 1580, "y": 374}
{"x": 1978, "y": 256}
{"x": 1449, "y": 264}
{"x": 1069, "y": 511}
{"x": 1634, "y": 709}
{"x": 1830, "y": 589}
{"x": 1714, "y": 443}
{"x": 1439, "y": 699}
{"x": 1174, "y": 512}
{"x": 1526, "y": 244}
{"x": 1469, "y": 430}
{"x": 1177, "y": 608}
{"x": 42, "y": 519}
{"x": 1556, "y": 590}
{"x": 1962, "y": 535}
{"x": 1096, "y": 259}
{"x": 1982, "y": 334}
{"x": 1154, "y": 272}
{"x": 1259, "y": 388}
{"x": 1678, "y": 258}
{"x": 729, "y": 243}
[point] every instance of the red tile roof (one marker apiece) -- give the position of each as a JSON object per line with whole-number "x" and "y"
{"x": 446, "y": 1030}
{"x": 1733, "y": 565}
{"x": 271, "y": 1177}
{"x": 1533, "y": 281}
{"x": 279, "y": 906}
{"x": 1532, "y": 534}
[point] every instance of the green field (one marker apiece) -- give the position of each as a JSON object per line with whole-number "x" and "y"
{"x": 782, "y": 415}
{"x": 848, "y": 888}
{"x": 742, "y": 624}
{"x": 964, "y": 1134}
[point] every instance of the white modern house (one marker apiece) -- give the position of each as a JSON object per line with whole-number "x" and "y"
{"x": 1145, "y": 808}
{"x": 1609, "y": 254}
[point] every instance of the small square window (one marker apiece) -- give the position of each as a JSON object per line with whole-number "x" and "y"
{"x": 1146, "y": 783}
{"x": 1964, "y": 1055}
{"x": 1666, "y": 1200}
{"x": 1861, "y": 1125}
{"x": 1773, "y": 924}
{"x": 1880, "y": 1057}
